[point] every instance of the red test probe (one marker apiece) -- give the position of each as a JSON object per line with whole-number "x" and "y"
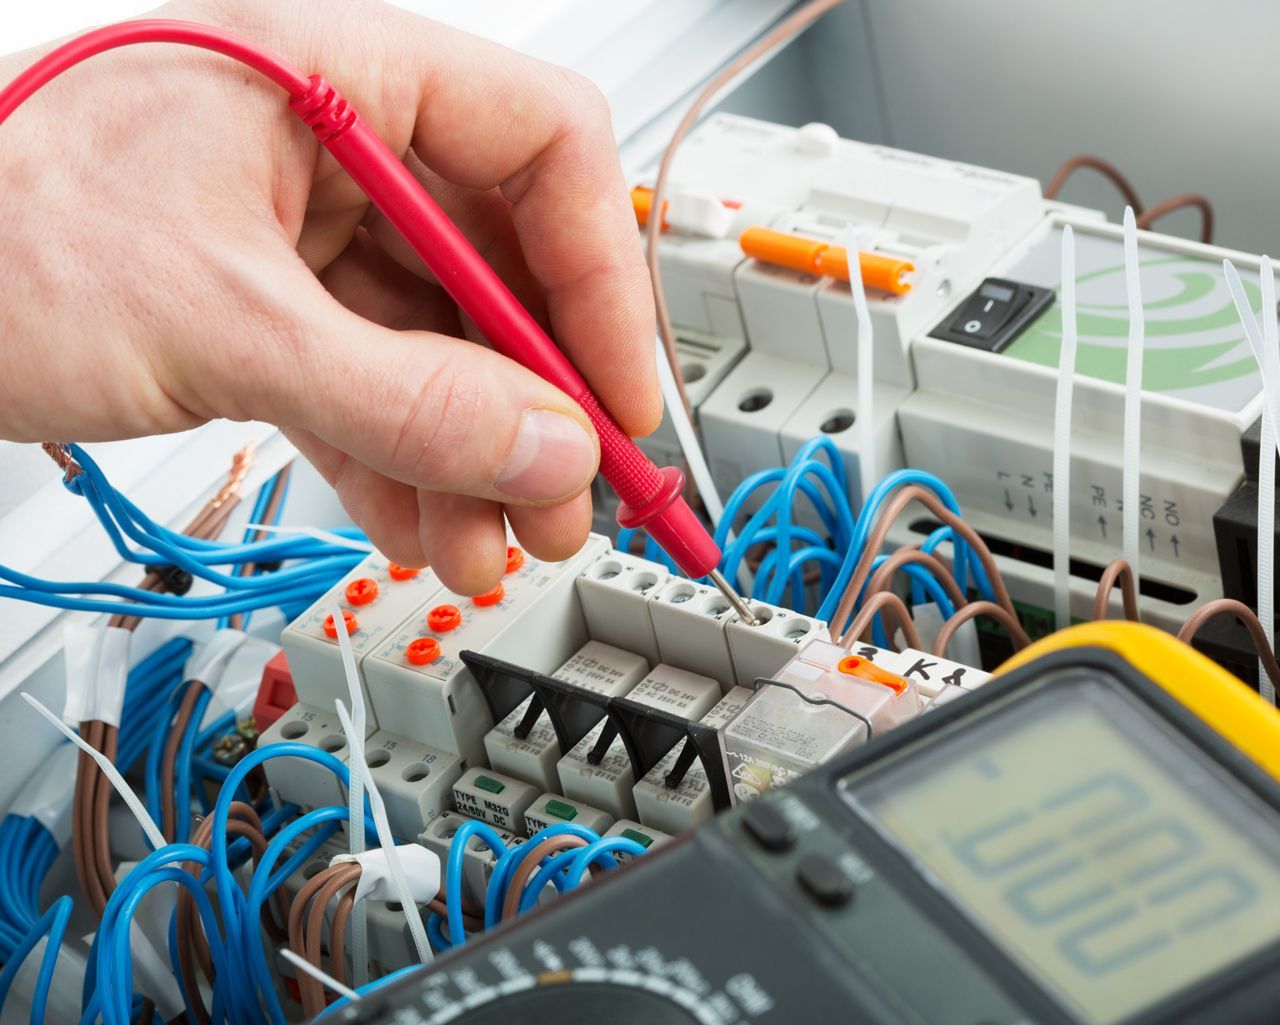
{"x": 651, "y": 497}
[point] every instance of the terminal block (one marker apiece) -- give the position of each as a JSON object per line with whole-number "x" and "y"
{"x": 479, "y": 859}
{"x": 497, "y": 799}
{"x": 416, "y": 781}
{"x": 554, "y": 809}
{"x": 646, "y": 836}
{"x": 823, "y": 702}
{"x": 301, "y": 782}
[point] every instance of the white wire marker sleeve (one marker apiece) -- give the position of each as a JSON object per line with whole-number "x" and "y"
{"x": 863, "y": 416}
{"x": 154, "y": 836}
{"x": 1269, "y": 366}
{"x": 315, "y": 532}
{"x": 97, "y": 670}
{"x": 1131, "y": 477}
{"x": 355, "y": 796}
{"x": 319, "y": 974}
{"x": 1062, "y": 438}
{"x": 376, "y": 881}
{"x": 388, "y": 842}
{"x": 688, "y": 438}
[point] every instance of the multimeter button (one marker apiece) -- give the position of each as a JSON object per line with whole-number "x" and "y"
{"x": 768, "y": 827}
{"x": 824, "y": 881}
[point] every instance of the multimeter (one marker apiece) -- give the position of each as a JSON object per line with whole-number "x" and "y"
{"x": 1092, "y": 838}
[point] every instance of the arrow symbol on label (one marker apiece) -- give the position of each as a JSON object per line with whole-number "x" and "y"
{"x": 1102, "y": 525}
{"x": 1008, "y": 500}
{"x": 1151, "y": 536}
{"x": 1174, "y": 541}
{"x": 1031, "y": 506}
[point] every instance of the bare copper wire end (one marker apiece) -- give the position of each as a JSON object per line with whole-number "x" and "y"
{"x": 241, "y": 464}
{"x": 58, "y": 452}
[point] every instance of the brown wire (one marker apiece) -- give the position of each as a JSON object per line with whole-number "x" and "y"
{"x": 1181, "y": 202}
{"x": 882, "y": 579}
{"x": 1105, "y": 168}
{"x": 236, "y": 620}
{"x": 1247, "y": 618}
{"x": 338, "y": 935}
{"x": 81, "y": 826}
{"x": 305, "y": 930}
{"x": 1117, "y": 572}
{"x": 882, "y": 601}
{"x": 100, "y": 821}
{"x": 530, "y": 864}
{"x": 169, "y": 759}
{"x": 875, "y": 542}
{"x": 778, "y": 36}
{"x": 980, "y": 608}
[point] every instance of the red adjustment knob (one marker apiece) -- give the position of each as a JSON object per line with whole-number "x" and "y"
{"x": 489, "y": 597}
{"x": 422, "y": 652}
{"x": 515, "y": 559}
{"x": 444, "y": 618}
{"x": 397, "y": 572}
{"x": 331, "y": 628}
{"x": 362, "y": 591}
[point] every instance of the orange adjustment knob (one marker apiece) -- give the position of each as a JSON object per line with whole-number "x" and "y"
{"x": 489, "y": 597}
{"x": 444, "y": 618}
{"x": 865, "y": 669}
{"x": 422, "y": 652}
{"x": 515, "y": 559}
{"x": 642, "y": 203}
{"x": 813, "y": 256}
{"x": 331, "y": 628}
{"x": 397, "y": 572}
{"x": 362, "y": 591}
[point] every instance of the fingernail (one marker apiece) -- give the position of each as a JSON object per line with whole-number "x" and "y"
{"x": 553, "y": 457}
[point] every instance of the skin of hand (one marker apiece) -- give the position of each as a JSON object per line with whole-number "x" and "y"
{"x": 177, "y": 247}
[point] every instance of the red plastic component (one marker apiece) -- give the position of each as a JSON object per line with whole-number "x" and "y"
{"x": 275, "y": 693}
{"x": 645, "y": 491}
{"x": 444, "y": 618}
{"x": 489, "y": 597}
{"x": 398, "y": 572}
{"x": 362, "y": 591}
{"x": 515, "y": 558}
{"x": 422, "y": 651}
{"x": 331, "y": 628}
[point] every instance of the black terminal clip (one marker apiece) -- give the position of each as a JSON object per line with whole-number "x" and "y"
{"x": 649, "y": 734}
{"x": 173, "y": 579}
{"x": 995, "y": 315}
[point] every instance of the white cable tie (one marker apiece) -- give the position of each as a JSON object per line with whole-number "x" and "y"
{"x": 385, "y": 837}
{"x": 1131, "y": 477}
{"x": 313, "y": 532}
{"x": 422, "y": 869}
{"x": 863, "y": 415}
{"x": 319, "y": 974}
{"x": 1062, "y": 437}
{"x": 688, "y": 439}
{"x": 97, "y": 671}
{"x": 104, "y": 763}
{"x": 355, "y": 793}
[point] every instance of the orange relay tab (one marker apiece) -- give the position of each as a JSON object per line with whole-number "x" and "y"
{"x": 865, "y": 669}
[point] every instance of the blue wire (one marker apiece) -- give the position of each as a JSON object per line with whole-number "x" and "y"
{"x": 509, "y": 863}
{"x": 453, "y": 872}
{"x": 53, "y": 924}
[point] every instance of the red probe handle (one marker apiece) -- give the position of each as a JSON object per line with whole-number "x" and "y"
{"x": 651, "y": 498}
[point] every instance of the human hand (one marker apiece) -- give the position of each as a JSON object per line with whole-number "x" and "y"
{"x": 178, "y": 248}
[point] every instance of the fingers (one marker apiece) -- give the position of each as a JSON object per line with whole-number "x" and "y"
{"x": 465, "y": 540}
{"x": 553, "y": 533}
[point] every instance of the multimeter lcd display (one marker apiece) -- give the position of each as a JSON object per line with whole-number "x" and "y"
{"x": 1105, "y": 853}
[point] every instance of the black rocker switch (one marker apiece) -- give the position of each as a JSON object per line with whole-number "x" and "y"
{"x": 997, "y": 313}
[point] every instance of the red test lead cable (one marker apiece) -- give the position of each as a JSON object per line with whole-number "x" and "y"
{"x": 651, "y": 497}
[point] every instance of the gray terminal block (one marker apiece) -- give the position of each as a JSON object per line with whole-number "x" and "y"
{"x": 689, "y": 621}
{"x": 555, "y": 810}
{"x": 535, "y": 622}
{"x": 606, "y": 782}
{"x": 678, "y": 809}
{"x": 415, "y": 780}
{"x": 381, "y": 604}
{"x": 479, "y": 859}
{"x": 495, "y": 798}
{"x": 614, "y": 590}
{"x": 646, "y": 836}
{"x": 596, "y": 667}
{"x": 390, "y": 942}
{"x": 305, "y": 783}
{"x": 762, "y": 650}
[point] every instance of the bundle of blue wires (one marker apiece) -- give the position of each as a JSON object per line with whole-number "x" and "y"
{"x": 315, "y": 564}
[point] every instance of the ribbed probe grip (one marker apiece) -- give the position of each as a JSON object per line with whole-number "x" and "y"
{"x": 628, "y": 470}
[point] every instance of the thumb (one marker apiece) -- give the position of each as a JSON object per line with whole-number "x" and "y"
{"x": 432, "y": 411}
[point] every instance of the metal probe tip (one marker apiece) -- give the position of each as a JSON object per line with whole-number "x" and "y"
{"x": 739, "y": 605}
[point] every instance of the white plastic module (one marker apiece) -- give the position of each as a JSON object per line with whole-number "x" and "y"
{"x": 757, "y": 651}
{"x": 614, "y": 591}
{"x": 497, "y": 799}
{"x": 313, "y": 655}
{"x": 607, "y": 785}
{"x": 415, "y": 780}
{"x": 742, "y": 422}
{"x": 479, "y": 859}
{"x": 596, "y": 667}
{"x": 647, "y": 837}
{"x": 554, "y": 810}
{"x": 390, "y": 944}
{"x": 689, "y": 622}
{"x": 679, "y": 809}
{"x": 816, "y": 709}
{"x": 932, "y": 674}
{"x": 296, "y": 780}
{"x": 536, "y": 624}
